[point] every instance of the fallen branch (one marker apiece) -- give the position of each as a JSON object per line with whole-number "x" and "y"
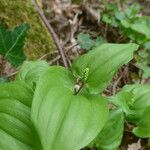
{"x": 50, "y": 29}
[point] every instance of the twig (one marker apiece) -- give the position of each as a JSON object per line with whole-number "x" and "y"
{"x": 115, "y": 84}
{"x": 54, "y": 60}
{"x": 50, "y": 29}
{"x": 12, "y": 74}
{"x": 91, "y": 12}
{"x": 50, "y": 53}
{"x": 70, "y": 47}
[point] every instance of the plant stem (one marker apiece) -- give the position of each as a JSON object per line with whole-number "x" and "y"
{"x": 78, "y": 87}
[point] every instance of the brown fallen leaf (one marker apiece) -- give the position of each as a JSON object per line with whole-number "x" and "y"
{"x": 135, "y": 146}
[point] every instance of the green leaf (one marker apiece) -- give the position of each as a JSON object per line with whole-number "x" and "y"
{"x": 123, "y": 100}
{"x": 111, "y": 135}
{"x": 110, "y": 20}
{"x": 102, "y": 62}
{"x": 85, "y": 41}
{"x": 136, "y": 106}
{"x": 137, "y": 29}
{"x": 141, "y": 100}
{"x": 135, "y": 36}
{"x": 145, "y": 68}
{"x": 111, "y": 6}
{"x": 16, "y": 129}
{"x": 133, "y": 10}
{"x": 99, "y": 41}
{"x": 125, "y": 23}
{"x": 31, "y": 71}
{"x": 119, "y": 15}
{"x": 137, "y": 103}
{"x": 62, "y": 119}
{"x": 147, "y": 45}
{"x": 143, "y": 127}
{"x": 141, "y": 25}
{"x": 11, "y": 43}
{"x": 106, "y": 18}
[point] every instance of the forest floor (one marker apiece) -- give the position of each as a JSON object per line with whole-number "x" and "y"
{"x": 68, "y": 21}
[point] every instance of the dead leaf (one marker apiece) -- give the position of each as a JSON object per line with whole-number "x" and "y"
{"x": 135, "y": 146}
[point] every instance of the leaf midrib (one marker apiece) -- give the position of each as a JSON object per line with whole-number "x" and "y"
{"x": 16, "y": 41}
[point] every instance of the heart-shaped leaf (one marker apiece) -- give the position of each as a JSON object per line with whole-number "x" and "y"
{"x": 62, "y": 119}
{"x": 11, "y": 43}
{"x": 102, "y": 63}
{"x": 16, "y": 129}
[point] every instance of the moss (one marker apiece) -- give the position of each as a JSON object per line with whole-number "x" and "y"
{"x": 39, "y": 41}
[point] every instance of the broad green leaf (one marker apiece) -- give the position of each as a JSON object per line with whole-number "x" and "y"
{"x": 11, "y": 43}
{"x": 63, "y": 120}
{"x": 111, "y": 135}
{"x": 31, "y": 71}
{"x": 102, "y": 63}
{"x": 143, "y": 127}
{"x": 16, "y": 129}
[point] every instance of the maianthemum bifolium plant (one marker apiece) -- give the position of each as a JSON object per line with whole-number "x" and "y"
{"x": 43, "y": 110}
